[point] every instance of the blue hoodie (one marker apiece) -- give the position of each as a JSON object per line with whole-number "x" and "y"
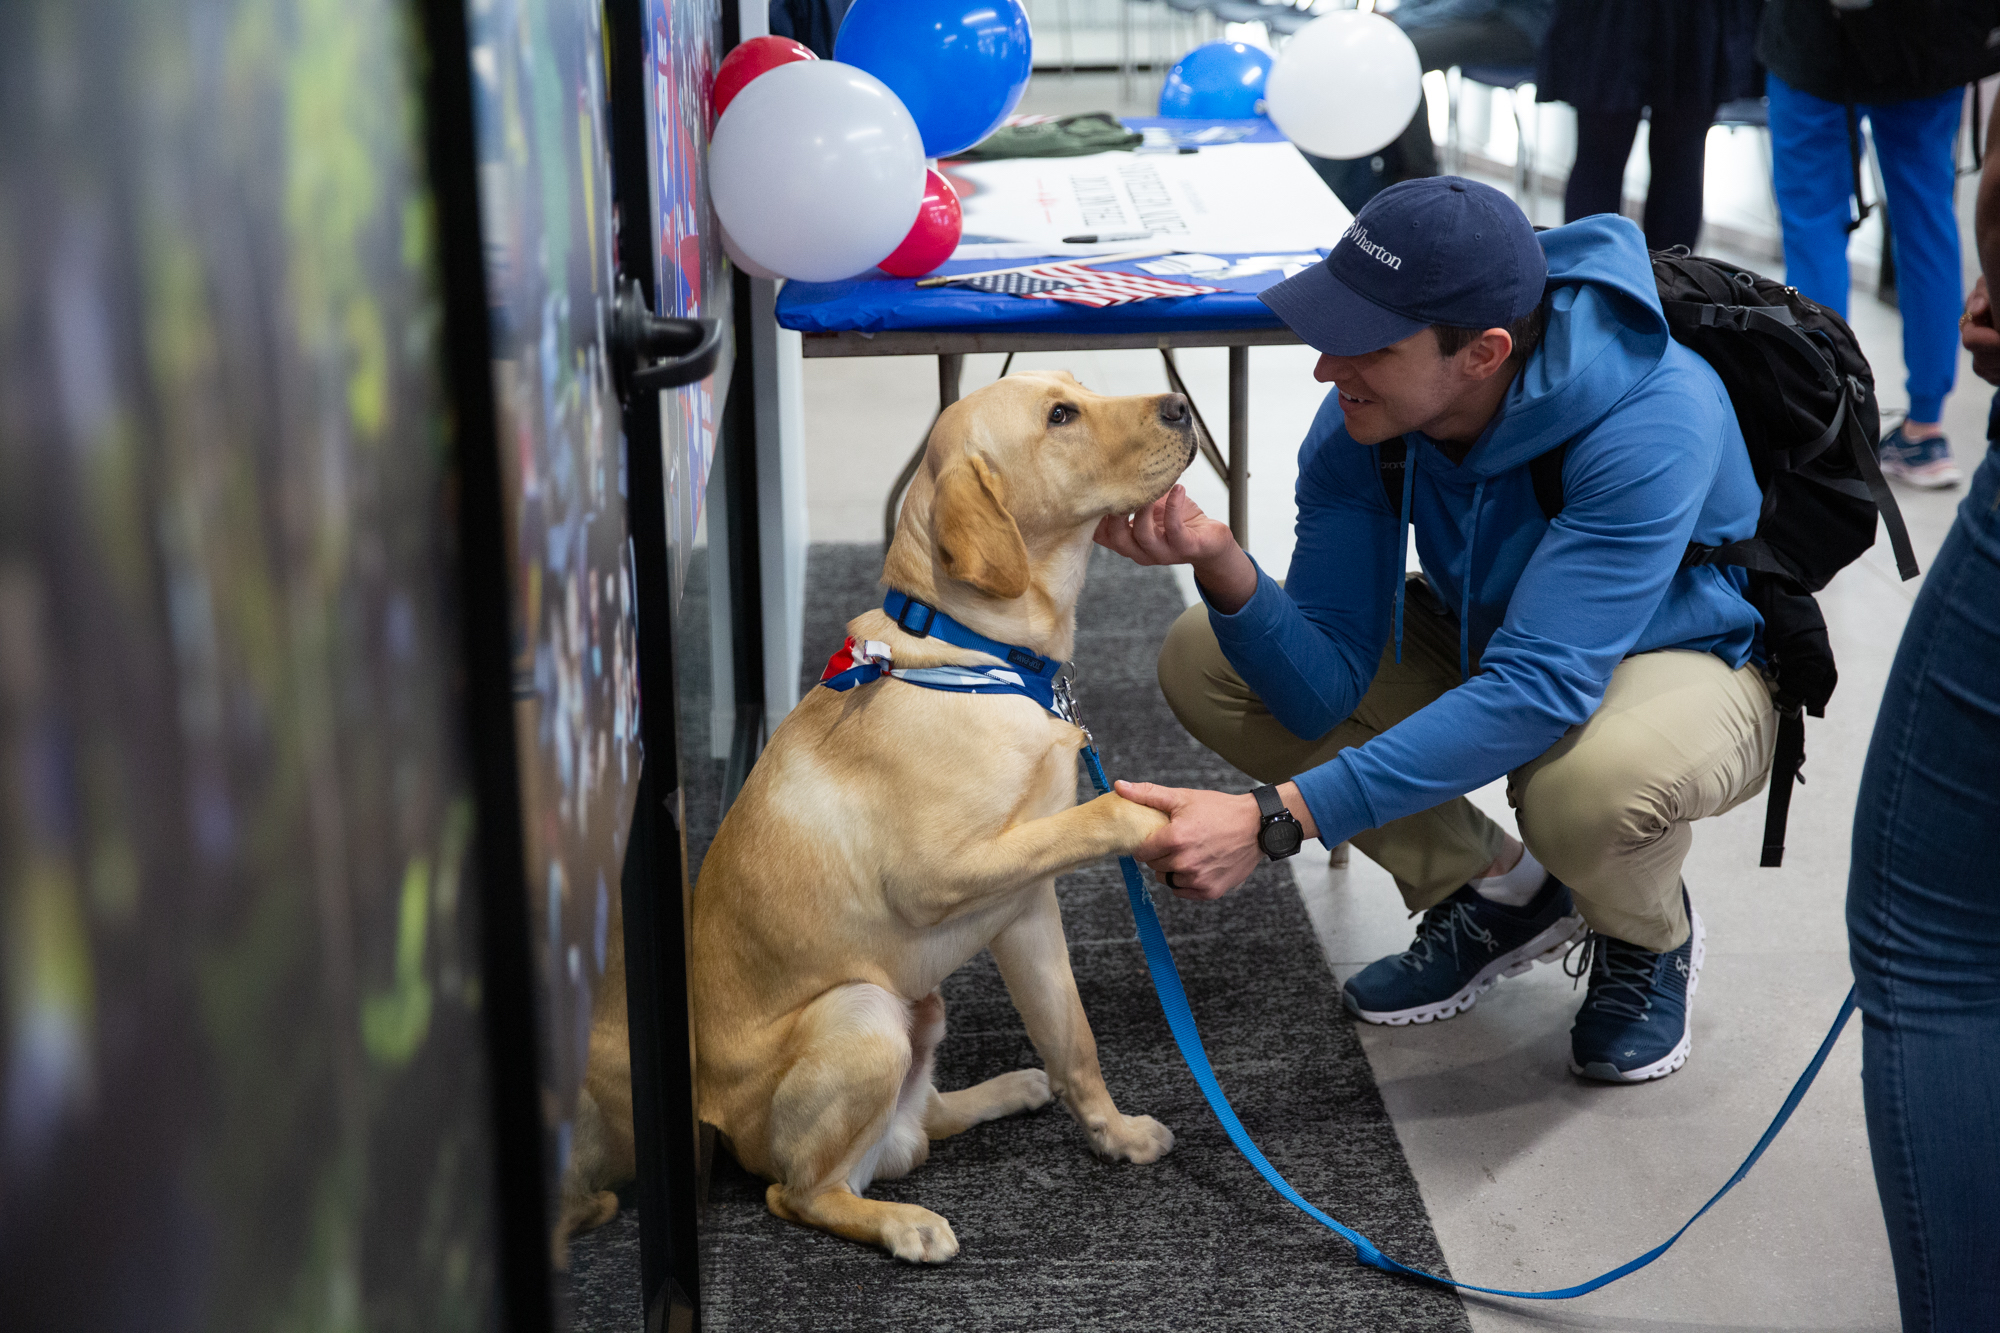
{"x": 1546, "y": 610}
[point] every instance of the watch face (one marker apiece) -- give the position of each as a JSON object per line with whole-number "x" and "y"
{"x": 1280, "y": 837}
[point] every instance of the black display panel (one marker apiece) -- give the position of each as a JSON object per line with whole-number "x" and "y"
{"x": 547, "y": 220}
{"x": 243, "y": 1074}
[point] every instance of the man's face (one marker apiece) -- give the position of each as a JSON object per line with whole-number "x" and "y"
{"x": 1406, "y": 386}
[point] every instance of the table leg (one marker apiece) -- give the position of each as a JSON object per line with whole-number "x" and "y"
{"x": 1125, "y": 56}
{"x": 1204, "y": 441}
{"x": 1239, "y": 444}
{"x": 951, "y": 369}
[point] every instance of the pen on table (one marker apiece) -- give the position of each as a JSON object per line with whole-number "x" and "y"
{"x": 1102, "y": 238}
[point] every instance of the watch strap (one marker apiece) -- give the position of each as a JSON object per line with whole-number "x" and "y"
{"x": 1269, "y": 803}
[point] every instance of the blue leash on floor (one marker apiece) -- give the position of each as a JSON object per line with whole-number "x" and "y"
{"x": 1173, "y": 1000}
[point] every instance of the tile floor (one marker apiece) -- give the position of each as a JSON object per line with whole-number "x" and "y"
{"x": 1533, "y": 1178}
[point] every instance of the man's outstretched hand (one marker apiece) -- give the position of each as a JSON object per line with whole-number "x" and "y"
{"x": 1210, "y": 845}
{"x": 1173, "y": 531}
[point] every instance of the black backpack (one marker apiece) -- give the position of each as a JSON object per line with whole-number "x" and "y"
{"x": 1805, "y": 399}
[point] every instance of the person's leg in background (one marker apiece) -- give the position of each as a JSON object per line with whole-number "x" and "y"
{"x": 1813, "y": 178}
{"x": 1677, "y": 147}
{"x": 1915, "y": 143}
{"x": 1923, "y": 919}
{"x": 1488, "y": 40}
{"x": 1597, "y": 180}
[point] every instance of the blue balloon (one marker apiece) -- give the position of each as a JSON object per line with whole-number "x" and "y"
{"x": 1220, "y": 81}
{"x": 960, "y": 66}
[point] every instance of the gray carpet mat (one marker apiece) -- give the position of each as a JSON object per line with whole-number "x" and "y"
{"x": 1052, "y": 1238}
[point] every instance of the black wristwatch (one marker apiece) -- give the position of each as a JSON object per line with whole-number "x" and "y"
{"x": 1280, "y": 834}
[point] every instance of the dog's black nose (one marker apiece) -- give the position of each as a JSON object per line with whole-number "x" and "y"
{"x": 1174, "y": 409}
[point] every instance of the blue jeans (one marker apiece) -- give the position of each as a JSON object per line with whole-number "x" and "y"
{"x": 1812, "y": 176}
{"x": 1923, "y": 921}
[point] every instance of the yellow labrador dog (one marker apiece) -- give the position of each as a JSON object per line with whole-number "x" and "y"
{"x": 891, "y": 832}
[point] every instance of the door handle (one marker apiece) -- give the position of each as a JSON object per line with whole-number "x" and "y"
{"x": 652, "y": 352}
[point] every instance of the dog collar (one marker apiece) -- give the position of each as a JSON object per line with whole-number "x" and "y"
{"x": 927, "y": 622}
{"x": 1027, "y": 673}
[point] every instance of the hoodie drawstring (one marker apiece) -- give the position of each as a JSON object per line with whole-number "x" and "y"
{"x": 1465, "y": 586}
{"x": 1403, "y": 544}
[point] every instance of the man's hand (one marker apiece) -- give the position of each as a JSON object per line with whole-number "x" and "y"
{"x": 1173, "y": 531}
{"x": 1210, "y": 845}
{"x": 1977, "y": 333}
{"x": 1170, "y": 531}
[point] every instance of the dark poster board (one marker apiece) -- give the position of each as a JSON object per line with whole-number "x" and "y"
{"x": 662, "y": 55}
{"x": 242, "y": 1074}
{"x": 547, "y": 218}
{"x": 682, "y": 42}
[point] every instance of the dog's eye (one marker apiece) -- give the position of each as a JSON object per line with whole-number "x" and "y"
{"x": 1061, "y": 413}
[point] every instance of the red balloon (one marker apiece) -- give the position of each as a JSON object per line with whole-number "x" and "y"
{"x": 756, "y": 56}
{"x": 934, "y": 236}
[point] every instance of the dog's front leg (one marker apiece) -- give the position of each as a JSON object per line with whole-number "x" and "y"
{"x": 953, "y": 877}
{"x": 1034, "y": 962}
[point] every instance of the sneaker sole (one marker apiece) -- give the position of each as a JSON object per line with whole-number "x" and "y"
{"x": 1546, "y": 947}
{"x": 1929, "y": 477}
{"x": 1609, "y": 1073}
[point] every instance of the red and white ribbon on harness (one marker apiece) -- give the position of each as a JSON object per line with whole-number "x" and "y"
{"x": 861, "y": 661}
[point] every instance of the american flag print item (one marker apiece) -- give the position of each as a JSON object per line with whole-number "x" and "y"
{"x": 1086, "y": 286}
{"x": 1015, "y": 284}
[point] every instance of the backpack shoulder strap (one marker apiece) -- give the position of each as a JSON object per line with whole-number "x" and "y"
{"x": 1547, "y": 472}
{"x": 1786, "y": 761}
{"x": 1391, "y": 457}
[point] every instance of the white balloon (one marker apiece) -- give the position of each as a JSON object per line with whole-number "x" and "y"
{"x": 816, "y": 170}
{"x": 1345, "y": 85}
{"x": 741, "y": 260}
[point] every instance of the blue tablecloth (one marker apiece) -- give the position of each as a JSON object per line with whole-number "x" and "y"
{"x": 876, "y": 302}
{"x": 1183, "y": 130}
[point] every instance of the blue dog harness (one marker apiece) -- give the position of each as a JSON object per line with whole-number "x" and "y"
{"x": 1039, "y": 679}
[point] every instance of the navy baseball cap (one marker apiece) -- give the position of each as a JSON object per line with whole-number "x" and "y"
{"x": 1440, "y": 250}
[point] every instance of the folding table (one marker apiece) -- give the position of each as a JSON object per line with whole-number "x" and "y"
{"x": 877, "y": 315}
{"x": 1220, "y": 320}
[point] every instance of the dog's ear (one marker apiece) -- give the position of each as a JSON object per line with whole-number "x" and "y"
{"x": 978, "y": 541}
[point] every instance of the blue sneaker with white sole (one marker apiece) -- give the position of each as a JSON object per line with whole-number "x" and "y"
{"x": 1926, "y": 463}
{"x": 1464, "y": 945}
{"x": 1636, "y": 1022}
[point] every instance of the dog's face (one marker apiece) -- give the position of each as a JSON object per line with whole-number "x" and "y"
{"x": 1038, "y": 455}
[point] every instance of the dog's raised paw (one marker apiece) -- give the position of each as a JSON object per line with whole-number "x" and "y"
{"x": 1132, "y": 1138}
{"x": 919, "y": 1236}
{"x": 1141, "y": 821}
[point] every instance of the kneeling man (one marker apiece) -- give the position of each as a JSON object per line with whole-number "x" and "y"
{"x": 1620, "y": 694}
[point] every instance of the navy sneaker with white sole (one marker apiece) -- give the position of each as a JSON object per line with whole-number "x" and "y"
{"x": 1464, "y": 945}
{"x": 1636, "y": 1022}
{"x": 1927, "y": 462}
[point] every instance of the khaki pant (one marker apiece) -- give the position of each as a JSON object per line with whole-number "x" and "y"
{"x": 1678, "y": 737}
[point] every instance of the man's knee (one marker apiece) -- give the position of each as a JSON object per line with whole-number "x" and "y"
{"x": 1191, "y": 666}
{"x": 1588, "y": 805}
{"x": 1203, "y": 689}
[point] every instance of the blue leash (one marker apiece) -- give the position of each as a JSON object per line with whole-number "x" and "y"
{"x": 1173, "y": 1001}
